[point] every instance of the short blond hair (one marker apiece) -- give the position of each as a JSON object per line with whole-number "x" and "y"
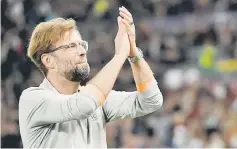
{"x": 44, "y": 37}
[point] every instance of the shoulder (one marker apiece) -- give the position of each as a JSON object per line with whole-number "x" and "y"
{"x": 33, "y": 93}
{"x": 34, "y": 90}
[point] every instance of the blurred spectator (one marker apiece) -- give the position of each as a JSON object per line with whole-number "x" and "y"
{"x": 182, "y": 41}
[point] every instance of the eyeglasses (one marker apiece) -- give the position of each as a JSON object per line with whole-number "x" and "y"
{"x": 69, "y": 46}
{"x": 72, "y": 45}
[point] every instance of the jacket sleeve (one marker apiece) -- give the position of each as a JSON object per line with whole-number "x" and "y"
{"x": 121, "y": 105}
{"x": 38, "y": 106}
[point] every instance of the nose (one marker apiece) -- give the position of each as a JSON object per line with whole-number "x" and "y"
{"x": 82, "y": 52}
{"x": 82, "y": 57}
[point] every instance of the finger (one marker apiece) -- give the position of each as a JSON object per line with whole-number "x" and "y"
{"x": 122, "y": 14}
{"x": 120, "y": 24}
{"x": 131, "y": 36}
{"x": 119, "y": 21}
{"x": 127, "y": 25}
{"x": 125, "y": 11}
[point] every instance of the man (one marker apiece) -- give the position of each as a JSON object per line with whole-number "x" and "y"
{"x": 63, "y": 113}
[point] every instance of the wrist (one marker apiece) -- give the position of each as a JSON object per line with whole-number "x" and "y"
{"x": 120, "y": 56}
{"x": 134, "y": 51}
{"x": 137, "y": 56}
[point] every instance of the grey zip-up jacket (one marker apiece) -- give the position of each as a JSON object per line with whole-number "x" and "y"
{"x": 49, "y": 119}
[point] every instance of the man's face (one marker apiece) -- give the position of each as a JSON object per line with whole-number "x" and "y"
{"x": 71, "y": 62}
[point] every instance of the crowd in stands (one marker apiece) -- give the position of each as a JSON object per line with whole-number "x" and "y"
{"x": 182, "y": 41}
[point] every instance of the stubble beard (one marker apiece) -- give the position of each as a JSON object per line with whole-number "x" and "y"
{"x": 80, "y": 75}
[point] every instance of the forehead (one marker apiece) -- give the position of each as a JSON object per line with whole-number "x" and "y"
{"x": 70, "y": 36}
{"x": 75, "y": 35}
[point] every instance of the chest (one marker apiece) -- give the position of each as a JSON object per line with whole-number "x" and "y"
{"x": 96, "y": 120}
{"x": 80, "y": 133}
{"x": 94, "y": 123}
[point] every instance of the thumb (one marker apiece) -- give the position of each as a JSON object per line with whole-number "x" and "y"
{"x": 119, "y": 20}
{"x": 120, "y": 24}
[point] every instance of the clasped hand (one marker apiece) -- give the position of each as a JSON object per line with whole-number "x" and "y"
{"x": 125, "y": 40}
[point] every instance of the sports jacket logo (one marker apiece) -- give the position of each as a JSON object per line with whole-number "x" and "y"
{"x": 94, "y": 116}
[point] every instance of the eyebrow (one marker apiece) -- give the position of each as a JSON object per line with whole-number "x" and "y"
{"x": 67, "y": 44}
{"x": 73, "y": 42}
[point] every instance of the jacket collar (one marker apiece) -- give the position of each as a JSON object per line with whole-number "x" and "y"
{"x": 48, "y": 85}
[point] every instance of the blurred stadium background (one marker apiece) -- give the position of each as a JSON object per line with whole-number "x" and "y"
{"x": 191, "y": 45}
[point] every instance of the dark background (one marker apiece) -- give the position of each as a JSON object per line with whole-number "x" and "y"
{"x": 183, "y": 42}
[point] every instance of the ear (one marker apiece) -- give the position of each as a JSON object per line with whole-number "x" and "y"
{"x": 48, "y": 61}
